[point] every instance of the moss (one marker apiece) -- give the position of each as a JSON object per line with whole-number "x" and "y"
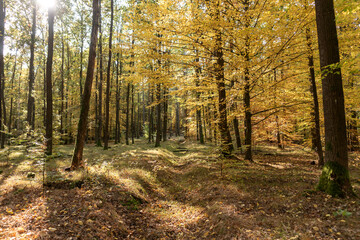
{"x": 335, "y": 180}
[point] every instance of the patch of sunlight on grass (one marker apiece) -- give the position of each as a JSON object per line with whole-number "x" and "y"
{"x": 135, "y": 180}
{"x": 16, "y": 156}
{"x": 25, "y": 166}
{"x": 176, "y": 213}
{"x": 21, "y": 181}
{"x": 58, "y": 163}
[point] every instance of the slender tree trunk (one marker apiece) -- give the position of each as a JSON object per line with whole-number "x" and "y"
{"x": 237, "y": 132}
{"x": 247, "y": 99}
{"x": 165, "y": 120}
{"x": 127, "y": 123}
{"x": 2, "y": 75}
{"x": 12, "y": 97}
{"x": 77, "y": 160}
{"x": 315, "y": 113}
{"x": 151, "y": 114}
{"x": 107, "y": 110}
{"x": 118, "y": 89}
{"x": 132, "y": 124}
{"x": 31, "y": 99}
{"x": 158, "y": 115}
{"x": 138, "y": 124}
{"x": 67, "y": 101}
{"x": 335, "y": 176}
{"x": 226, "y": 143}
{"x": 81, "y": 54}
{"x": 177, "y": 119}
{"x": 49, "y": 99}
{"x": 62, "y": 87}
{"x": 353, "y": 132}
{"x": 198, "y": 108}
{"x": 100, "y": 68}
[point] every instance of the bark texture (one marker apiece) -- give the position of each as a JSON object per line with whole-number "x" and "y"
{"x": 77, "y": 160}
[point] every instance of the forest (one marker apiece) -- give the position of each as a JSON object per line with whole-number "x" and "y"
{"x": 190, "y": 119}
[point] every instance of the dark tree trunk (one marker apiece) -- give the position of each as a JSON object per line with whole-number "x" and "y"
{"x": 49, "y": 98}
{"x": 335, "y": 176}
{"x": 198, "y": 108}
{"x": 158, "y": 115}
{"x": 151, "y": 115}
{"x": 127, "y": 130}
{"x": 247, "y": 99}
{"x": 81, "y": 53}
{"x": 100, "y": 68}
{"x": 12, "y": 97}
{"x": 237, "y": 132}
{"x": 315, "y": 113}
{"x": 2, "y": 75}
{"x": 31, "y": 99}
{"x": 139, "y": 115}
{"x": 132, "y": 125}
{"x": 177, "y": 119}
{"x": 226, "y": 143}
{"x": 165, "y": 120}
{"x": 118, "y": 90}
{"x": 67, "y": 101}
{"x": 353, "y": 132}
{"x": 77, "y": 160}
{"x": 62, "y": 88}
{"x": 107, "y": 110}
{"x": 44, "y": 98}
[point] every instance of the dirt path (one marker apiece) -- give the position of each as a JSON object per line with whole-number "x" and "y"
{"x": 180, "y": 191}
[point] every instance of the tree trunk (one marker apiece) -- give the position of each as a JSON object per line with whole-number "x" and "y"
{"x": 31, "y": 99}
{"x": 127, "y": 115}
{"x": 67, "y": 101}
{"x": 132, "y": 124}
{"x": 237, "y": 132}
{"x": 177, "y": 119}
{"x": 315, "y": 113}
{"x": 12, "y": 97}
{"x": 165, "y": 120}
{"x": 353, "y": 132}
{"x": 151, "y": 115}
{"x": 62, "y": 88}
{"x": 247, "y": 99}
{"x": 81, "y": 54}
{"x": 158, "y": 115}
{"x": 198, "y": 108}
{"x": 118, "y": 90}
{"x": 77, "y": 160}
{"x": 335, "y": 178}
{"x": 2, "y": 75}
{"x": 226, "y": 143}
{"x": 100, "y": 68}
{"x": 49, "y": 99}
{"x": 107, "y": 110}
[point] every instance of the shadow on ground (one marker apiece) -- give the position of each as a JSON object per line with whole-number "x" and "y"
{"x": 180, "y": 191}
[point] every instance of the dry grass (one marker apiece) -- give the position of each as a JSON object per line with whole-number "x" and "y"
{"x": 180, "y": 191}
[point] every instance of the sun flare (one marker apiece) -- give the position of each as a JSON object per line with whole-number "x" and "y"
{"x": 47, "y": 4}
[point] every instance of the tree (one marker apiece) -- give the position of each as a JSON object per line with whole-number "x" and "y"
{"x": 335, "y": 178}
{"x": 49, "y": 97}
{"x": 100, "y": 69}
{"x": 77, "y": 160}
{"x": 226, "y": 143}
{"x": 31, "y": 100}
{"x": 107, "y": 110}
{"x": 2, "y": 75}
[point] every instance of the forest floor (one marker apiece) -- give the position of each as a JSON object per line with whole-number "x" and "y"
{"x": 182, "y": 190}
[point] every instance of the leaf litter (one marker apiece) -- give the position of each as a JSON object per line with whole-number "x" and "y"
{"x": 139, "y": 192}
